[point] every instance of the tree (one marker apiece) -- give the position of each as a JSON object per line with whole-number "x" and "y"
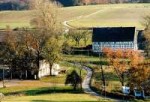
{"x": 46, "y": 17}
{"x": 138, "y": 76}
{"x": 46, "y": 23}
{"x": 86, "y": 36}
{"x": 76, "y": 35}
{"x": 146, "y": 24}
{"x": 74, "y": 79}
{"x": 11, "y": 48}
{"x": 52, "y": 51}
{"x": 118, "y": 59}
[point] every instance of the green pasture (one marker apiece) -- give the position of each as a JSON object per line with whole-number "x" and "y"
{"x": 59, "y": 97}
{"x": 46, "y": 94}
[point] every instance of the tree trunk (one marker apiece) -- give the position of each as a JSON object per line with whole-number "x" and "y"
{"x": 85, "y": 42}
{"x": 26, "y": 74}
{"x": 122, "y": 81}
{"x": 103, "y": 77}
{"x": 74, "y": 87}
{"x": 81, "y": 77}
{"x": 50, "y": 67}
{"x": 78, "y": 43}
{"x": 10, "y": 69}
{"x": 38, "y": 64}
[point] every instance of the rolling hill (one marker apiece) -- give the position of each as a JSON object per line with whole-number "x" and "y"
{"x": 85, "y": 16}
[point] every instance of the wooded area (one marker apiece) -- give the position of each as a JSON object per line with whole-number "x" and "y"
{"x": 24, "y": 4}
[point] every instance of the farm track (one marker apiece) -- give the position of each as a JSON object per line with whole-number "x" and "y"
{"x": 86, "y": 86}
{"x": 67, "y": 25}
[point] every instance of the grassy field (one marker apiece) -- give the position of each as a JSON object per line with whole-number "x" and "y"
{"x": 85, "y": 16}
{"x": 45, "y": 94}
{"x": 59, "y": 97}
{"x": 15, "y": 18}
{"x": 115, "y": 15}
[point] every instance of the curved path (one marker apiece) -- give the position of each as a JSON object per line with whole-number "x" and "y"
{"x": 86, "y": 82}
{"x": 88, "y": 90}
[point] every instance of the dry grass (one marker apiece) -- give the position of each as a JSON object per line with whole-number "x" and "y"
{"x": 93, "y": 15}
{"x": 115, "y": 15}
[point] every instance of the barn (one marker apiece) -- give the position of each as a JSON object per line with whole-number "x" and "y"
{"x": 115, "y": 38}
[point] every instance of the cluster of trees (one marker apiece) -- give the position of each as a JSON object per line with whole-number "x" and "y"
{"x": 113, "y": 1}
{"x": 86, "y": 2}
{"x": 73, "y": 39}
{"x": 129, "y": 64}
{"x": 14, "y": 4}
{"x": 24, "y": 4}
{"x": 78, "y": 35}
{"x": 23, "y": 49}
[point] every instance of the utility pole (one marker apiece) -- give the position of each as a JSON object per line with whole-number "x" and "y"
{"x": 102, "y": 73}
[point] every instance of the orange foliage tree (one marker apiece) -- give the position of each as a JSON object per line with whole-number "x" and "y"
{"x": 122, "y": 61}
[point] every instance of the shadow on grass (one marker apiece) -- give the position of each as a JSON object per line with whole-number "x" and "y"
{"x": 47, "y": 90}
{"x": 62, "y": 101}
{"x": 91, "y": 62}
{"x": 40, "y": 101}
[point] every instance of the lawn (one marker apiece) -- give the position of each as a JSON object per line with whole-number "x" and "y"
{"x": 45, "y": 94}
{"x": 85, "y": 16}
{"x": 59, "y": 97}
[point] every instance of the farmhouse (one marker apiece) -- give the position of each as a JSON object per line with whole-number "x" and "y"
{"x": 115, "y": 38}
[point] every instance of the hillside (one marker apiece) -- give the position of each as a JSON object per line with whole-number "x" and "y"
{"x": 85, "y": 16}
{"x": 114, "y": 15}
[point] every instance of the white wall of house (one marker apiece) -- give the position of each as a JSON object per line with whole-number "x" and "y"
{"x": 98, "y": 46}
{"x": 45, "y": 71}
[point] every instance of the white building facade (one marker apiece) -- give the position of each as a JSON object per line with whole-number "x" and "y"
{"x": 44, "y": 69}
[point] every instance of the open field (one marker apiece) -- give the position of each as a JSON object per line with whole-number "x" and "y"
{"x": 59, "y": 97}
{"x": 115, "y": 15}
{"x": 44, "y": 94}
{"x": 85, "y": 16}
{"x": 15, "y": 19}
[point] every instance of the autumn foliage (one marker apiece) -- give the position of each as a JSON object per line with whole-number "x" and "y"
{"x": 124, "y": 60}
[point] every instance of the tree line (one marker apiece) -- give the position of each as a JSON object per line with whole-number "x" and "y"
{"x": 14, "y": 4}
{"x": 89, "y": 2}
{"x": 24, "y": 4}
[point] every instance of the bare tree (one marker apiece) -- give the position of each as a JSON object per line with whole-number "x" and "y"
{"x": 146, "y": 24}
{"x": 47, "y": 26}
{"x": 46, "y": 16}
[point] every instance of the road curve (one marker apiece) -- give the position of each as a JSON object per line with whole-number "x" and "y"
{"x": 86, "y": 82}
{"x": 86, "y": 86}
